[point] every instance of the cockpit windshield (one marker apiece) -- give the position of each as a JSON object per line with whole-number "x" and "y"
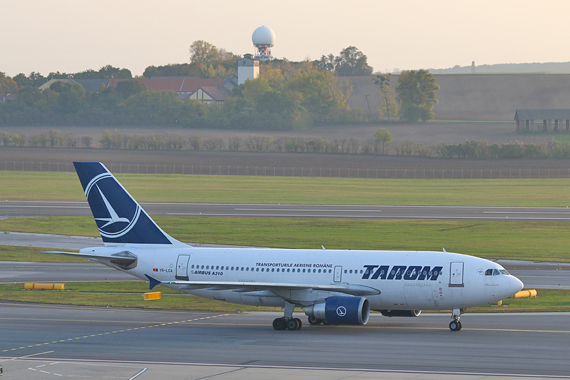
{"x": 495, "y": 272}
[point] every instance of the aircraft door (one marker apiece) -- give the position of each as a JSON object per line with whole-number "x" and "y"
{"x": 337, "y": 274}
{"x": 456, "y": 275}
{"x": 182, "y": 267}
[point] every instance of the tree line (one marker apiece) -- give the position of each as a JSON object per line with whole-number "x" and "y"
{"x": 380, "y": 143}
{"x": 286, "y": 95}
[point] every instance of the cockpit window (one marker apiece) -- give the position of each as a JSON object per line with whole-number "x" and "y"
{"x": 495, "y": 272}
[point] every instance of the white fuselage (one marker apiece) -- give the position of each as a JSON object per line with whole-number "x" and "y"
{"x": 405, "y": 280}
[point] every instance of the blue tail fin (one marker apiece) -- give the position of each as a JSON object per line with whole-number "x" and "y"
{"x": 120, "y": 219}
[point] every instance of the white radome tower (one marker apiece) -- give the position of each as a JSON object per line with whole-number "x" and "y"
{"x": 263, "y": 39}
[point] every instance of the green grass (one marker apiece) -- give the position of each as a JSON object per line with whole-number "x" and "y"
{"x": 18, "y": 253}
{"x": 119, "y": 294}
{"x": 34, "y": 186}
{"x": 547, "y": 300}
{"x": 523, "y": 240}
{"x": 562, "y": 138}
{"x": 130, "y": 294}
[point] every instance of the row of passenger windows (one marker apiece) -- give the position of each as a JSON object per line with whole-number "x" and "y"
{"x": 248, "y": 269}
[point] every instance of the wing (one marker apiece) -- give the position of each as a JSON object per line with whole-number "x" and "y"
{"x": 244, "y": 287}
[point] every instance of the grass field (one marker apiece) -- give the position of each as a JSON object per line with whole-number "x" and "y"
{"x": 543, "y": 241}
{"x": 130, "y": 294}
{"x": 50, "y": 186}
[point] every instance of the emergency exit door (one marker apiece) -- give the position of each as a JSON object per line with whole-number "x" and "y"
{"x": 337, "y": 274}
{"x": 456, "y": 277}
{"x": 182, "y": 267}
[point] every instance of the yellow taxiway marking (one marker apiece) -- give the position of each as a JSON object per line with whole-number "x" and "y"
{"x": 107, "y": 333}
{"x": 27, "y": 356}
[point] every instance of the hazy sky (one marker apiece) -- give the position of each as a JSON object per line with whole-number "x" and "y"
{"x": 75, "y": 35}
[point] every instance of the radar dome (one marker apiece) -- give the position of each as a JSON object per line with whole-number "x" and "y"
{"x": 263, "y": 36}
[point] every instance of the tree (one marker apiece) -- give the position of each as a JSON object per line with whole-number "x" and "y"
{"x": 130, "y": 87}
{"x": 110, "y": 72}
{"x": 70, "y": 100}
{"x": 7, "y": 85}
{"x": 321, "y": 93}
{"x": 416, "y": 92}
{"x": 37, "y": 79}
{"x": 388, "y": 104}
{"x": 327, "y": 62}
{"x": 349, "y": 62}
{"x": 22, "y": 80}
{"x": 382, "y": 136}
{"x": 204, "y": 52}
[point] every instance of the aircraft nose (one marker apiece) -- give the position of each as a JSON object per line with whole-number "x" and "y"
{"x": 515, "y": 284}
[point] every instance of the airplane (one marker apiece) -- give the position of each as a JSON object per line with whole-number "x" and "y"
{"x": 337, "y": 287}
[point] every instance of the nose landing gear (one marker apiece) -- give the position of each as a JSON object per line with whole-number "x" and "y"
{"x": 455, "y": 325}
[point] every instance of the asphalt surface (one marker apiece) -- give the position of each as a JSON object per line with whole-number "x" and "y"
{"x": 120, "y": 343}
{"x": 29, "y": 209}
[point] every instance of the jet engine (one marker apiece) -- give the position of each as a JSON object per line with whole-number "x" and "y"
{"x": 341, "y": 311}
{"x": 400, "y": 313}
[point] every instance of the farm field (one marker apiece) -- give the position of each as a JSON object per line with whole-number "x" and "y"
{"x": 433, "y": 132}
{"x": 11, "y": 158}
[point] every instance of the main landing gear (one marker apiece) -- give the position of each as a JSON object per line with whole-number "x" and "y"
{"x": 455, "y": 325}
{"x": 287, "y": 322}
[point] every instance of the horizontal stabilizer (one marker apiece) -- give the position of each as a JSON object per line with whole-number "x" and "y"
{"x": 123, "y": 259}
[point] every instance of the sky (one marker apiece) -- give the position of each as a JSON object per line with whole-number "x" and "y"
{"x": 75, "y": 35}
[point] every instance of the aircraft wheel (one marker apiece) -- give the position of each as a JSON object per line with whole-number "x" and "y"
{"x": 314, "y": 321}
{"x": 293, "y": 324}
{"x": 279, "y": 324}
{"x": 300, "y": 323}
{"x": 455, "y": 326}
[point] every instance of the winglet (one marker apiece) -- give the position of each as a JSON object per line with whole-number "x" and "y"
{"x": 153, "y": 282}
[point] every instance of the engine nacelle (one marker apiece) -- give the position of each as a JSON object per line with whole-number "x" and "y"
{"x": 401, "y": 313}
{"x": 341, "y": 310}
